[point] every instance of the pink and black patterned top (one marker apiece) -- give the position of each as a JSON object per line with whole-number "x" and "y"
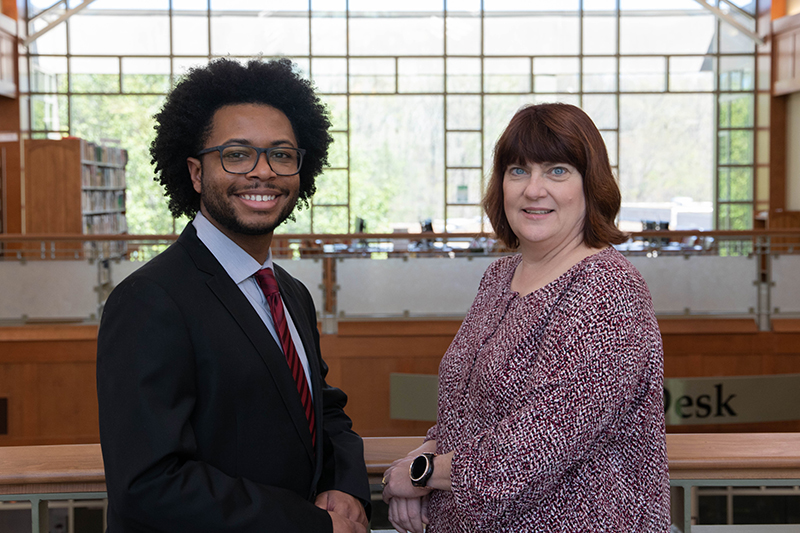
{"x": 553, "y": 403}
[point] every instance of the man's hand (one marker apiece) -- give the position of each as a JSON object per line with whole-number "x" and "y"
{"x": 344, "y": 505}
{"x": 344, "y": 525}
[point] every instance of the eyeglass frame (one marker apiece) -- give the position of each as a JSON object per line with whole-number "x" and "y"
{"x": 259, "y": 151}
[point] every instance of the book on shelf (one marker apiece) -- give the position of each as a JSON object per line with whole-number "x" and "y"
{"x": 109, "y": 155}
{"x": 97, "y": 176}
{"x": 103, "y": 200}
{"x": 105, "y": 224}
{"x": 103, "y": 188}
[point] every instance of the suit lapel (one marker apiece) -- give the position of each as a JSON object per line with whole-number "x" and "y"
{"x": 220, "y": 283}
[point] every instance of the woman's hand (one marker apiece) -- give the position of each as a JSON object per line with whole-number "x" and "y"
{"x": 400, "y": 475}
{"x": 397, "y": 481}
{"x": 409, "y": 514}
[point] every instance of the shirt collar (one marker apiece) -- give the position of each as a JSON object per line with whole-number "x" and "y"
{"x": 237, "y": 263}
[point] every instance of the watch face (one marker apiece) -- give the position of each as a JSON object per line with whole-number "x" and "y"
{"x": 418, "y": 467}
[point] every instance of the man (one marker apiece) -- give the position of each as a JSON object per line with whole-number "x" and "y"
{"x": 214, "y": 411}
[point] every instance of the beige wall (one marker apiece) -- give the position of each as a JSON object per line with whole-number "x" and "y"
{"x": 792, "y": 7}
{"x": 793, "y": 151}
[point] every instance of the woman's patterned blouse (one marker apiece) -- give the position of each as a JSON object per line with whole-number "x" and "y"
{"x": 553, "y": 404}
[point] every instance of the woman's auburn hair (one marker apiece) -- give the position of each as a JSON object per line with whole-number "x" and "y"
{"x": 558, "y": 133}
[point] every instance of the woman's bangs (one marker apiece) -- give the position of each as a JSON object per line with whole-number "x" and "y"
{"x": 533, "y": 142}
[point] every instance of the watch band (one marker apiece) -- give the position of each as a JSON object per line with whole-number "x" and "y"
{"x": 421, "y": 469}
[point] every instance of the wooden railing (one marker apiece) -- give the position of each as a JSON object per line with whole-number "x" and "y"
{"x": 42, "y": 473}
{"x": 71, "y": 246}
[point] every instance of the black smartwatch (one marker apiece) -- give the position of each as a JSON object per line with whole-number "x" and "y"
{"x": 421, "y": 469}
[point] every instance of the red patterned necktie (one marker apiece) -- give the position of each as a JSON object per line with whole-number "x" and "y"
{"x": 266, "y": 280}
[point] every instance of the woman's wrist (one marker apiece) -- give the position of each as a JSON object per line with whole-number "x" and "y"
{"x": 429, "y": 446}
{"x": 440, "y": 479}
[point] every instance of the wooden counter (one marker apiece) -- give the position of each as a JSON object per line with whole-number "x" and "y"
{"x": 79, "y": 467}
{"x": 51, "y": 469}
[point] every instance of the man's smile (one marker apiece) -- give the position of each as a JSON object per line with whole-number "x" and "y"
{"x": 258, "y": 197}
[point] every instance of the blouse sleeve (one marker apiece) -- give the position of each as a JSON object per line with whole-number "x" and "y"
{"x": 432, "y": 434}
{"x": 597, "y": 360}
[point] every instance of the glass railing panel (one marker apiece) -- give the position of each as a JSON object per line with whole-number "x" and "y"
{"x": 69, "y": 290}
{"x": 387, "y": 276}
{"x": 429, "y": 286}
{"x": 49, "y": 290}
{"x": 701, "y": 284}
{"x": 309, "y": 272}
{"x": 786, "y": 291}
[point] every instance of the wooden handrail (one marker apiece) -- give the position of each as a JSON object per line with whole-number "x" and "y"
{"x": 380, "y": 452}
{"x": 79, "y": 467}
{"x": 51, "y": 469}
{"x": 734, "y": 455}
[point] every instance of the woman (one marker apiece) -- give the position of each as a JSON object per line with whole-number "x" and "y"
{"x": 550, "y": 412}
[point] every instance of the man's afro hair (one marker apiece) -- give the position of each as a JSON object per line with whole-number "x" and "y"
{"x": 184, "y": 123}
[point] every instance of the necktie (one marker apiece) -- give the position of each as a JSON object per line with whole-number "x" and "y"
{"x": 269, "y": 286}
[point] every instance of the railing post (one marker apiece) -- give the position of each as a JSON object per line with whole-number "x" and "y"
{"x": 104, "y": 283}
{"x": 40, "y": 517}
{"x": 769, "y": 283}
{"x": 687, "y": 508}
{"x": 764, "y": 282}
{"x": 329, "y": 288}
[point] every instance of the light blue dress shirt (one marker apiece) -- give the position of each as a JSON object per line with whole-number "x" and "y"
{"x": 241, "y": 267}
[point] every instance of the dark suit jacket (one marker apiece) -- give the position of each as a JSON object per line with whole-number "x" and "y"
{"x": 201, "y": 425}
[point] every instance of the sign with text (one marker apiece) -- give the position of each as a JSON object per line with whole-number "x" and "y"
{"x": 732, "y": 400}
{"x": 687, "y": 401}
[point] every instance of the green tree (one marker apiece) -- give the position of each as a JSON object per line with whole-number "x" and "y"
{"x": 128, "y": 119}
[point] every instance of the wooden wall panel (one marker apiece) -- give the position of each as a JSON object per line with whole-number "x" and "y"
{"x": 777, "y": 155}
{"x": 11, "y": 195}
{"x": 47, "y": 372}
{"x": 785, "y": 220}
{"x": 10, "y": 198}
{"x": 48, "y": 375}
{"x": 12, "y": 379}
{"x": 366, "y": 382}
{"x": 367, "y": 353}
{"x": 67, "y": 396}
{"x": 53, "y": 186}
{"x": 49, "y": 351}
{"x": 787, "y": 344}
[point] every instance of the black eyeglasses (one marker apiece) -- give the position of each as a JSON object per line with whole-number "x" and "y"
{"x": 241, "y": 158}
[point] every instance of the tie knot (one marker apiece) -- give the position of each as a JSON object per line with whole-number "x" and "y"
{"x": 266, "y": 280}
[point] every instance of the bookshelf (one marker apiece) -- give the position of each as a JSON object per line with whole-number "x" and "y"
{"x": 75, "y": 186}
{"x": 103, "y": 189}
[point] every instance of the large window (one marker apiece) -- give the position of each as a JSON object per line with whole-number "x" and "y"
{"x": 419, "y": 91}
